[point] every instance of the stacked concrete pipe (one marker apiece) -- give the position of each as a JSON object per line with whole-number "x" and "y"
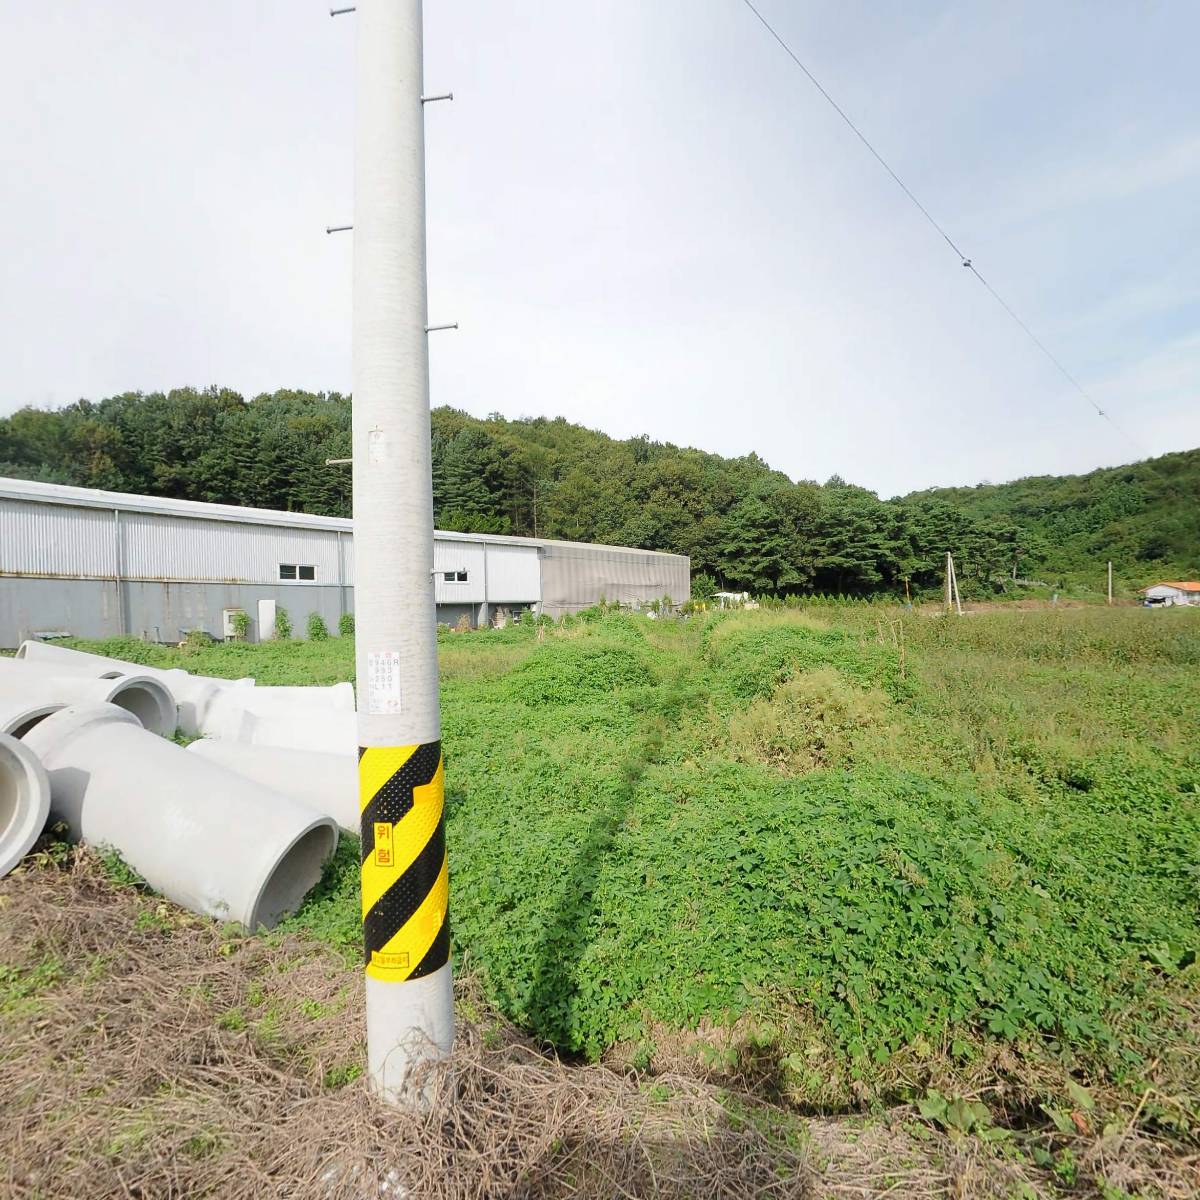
{"x": 326, "y": 783}
{"x": 210, "y": 840}
{"x": 306, "y": 718}
{"x": 194, "y": 694}
{"x": 267, "y": 701}
{"x": 323, "y": 732}
{"x": 24, "y": 801}
{"x": 223, "y": 707}
{"x": 144, "y": 696}
{"x": 329, "y": 733}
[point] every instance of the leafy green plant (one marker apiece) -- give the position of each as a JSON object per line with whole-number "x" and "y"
{"x": 157, "y": 920}
{"x": 118, "y": 870}
{"x": 317, "y": 629}
{"x": 240, "y": 620}
{"x": 283, "y": 624}
{"x": 346, "y": 625}
{"x": 955, "y": 1113}
{"x": 566, "y": 672}
{"x": 340, "y": 1074}
{"x": 18, "y": 986}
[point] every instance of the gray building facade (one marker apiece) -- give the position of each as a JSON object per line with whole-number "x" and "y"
{"x": 97, "y": 564}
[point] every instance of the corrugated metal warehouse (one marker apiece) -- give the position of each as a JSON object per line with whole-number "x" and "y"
{"x": 94, "y": 564}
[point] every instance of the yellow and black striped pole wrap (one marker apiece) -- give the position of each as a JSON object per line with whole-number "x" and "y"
{"x": 405, "y": 892}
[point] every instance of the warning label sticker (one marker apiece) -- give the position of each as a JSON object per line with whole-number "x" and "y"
{"x": 383, "y": 682}
{"x": 389, "y": 962}
{"x": 383, "y": 844}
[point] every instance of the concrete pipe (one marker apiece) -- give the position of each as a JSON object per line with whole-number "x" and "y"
{"x": 228, "y": 718}
{"x": 326, "y": 732}
{"x": 24, "y": 801}
{"x": 225, "y": 717}
{"x": 200, "y": 698}
{"x": 206, "y": 838}
{"x": 222, "y": 712}
{"x": 194, "y": 694}
{"x": 337, "y": 697}
{"x": 99, "y": 664}
{"x": 145, "y": 697}
{"x": 19, "y": 714}
{"x": 283, "y": 716}
{"x": 326, "y": 783}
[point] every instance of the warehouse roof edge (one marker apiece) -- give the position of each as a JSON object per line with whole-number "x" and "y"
{"x": 59, "y": 493}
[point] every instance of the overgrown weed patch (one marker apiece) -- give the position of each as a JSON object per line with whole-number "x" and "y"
{"x": 816, "y": 719}
{"x": 928, "y": 840}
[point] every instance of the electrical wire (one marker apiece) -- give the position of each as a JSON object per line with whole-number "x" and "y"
{"x": 963, "y": 259}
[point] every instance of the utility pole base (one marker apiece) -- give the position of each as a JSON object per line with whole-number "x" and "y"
{"x": 409, "y": 1024}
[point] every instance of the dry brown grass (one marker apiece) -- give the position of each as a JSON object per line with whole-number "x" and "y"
{"x": 147, "y": 1053}
{"x": 818, "y": 719}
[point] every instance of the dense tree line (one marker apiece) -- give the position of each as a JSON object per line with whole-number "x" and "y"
{"x": 1145, "y": 515}
{"x": 743, "y": 525}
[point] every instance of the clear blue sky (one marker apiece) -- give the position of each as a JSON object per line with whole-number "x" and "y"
{"x": 643, "y": 216}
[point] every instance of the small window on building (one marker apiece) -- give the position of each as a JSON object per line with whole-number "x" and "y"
{"x": 292, "y": 571}
{"x": 454, "y": 576}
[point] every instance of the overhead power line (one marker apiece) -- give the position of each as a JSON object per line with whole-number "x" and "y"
{"x": 966, "y": 262}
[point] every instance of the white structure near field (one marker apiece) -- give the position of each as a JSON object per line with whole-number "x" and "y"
{"x": 95, "y": 564}
{"x": 1167, "y": 594}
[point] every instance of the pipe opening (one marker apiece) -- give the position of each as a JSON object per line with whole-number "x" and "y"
{"x": 296, "y": 873}
{"x": 24, "y": 726}
{"x": 146, "y": 705}
{"x": 24, "y": 802}
{"x": 10, "y": 799}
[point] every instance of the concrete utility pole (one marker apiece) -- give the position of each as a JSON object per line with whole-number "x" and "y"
{"x": 410, "y": 1013}
{"x": 1110, "y": 581}
{"x": 953, "y": 600}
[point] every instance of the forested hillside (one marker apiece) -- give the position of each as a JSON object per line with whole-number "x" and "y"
{"x": 743, "y": 525}
{"x": 1144, "y": 513}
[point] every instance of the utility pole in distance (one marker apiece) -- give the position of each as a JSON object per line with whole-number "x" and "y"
{"x": 405, "y": 906}
{"x": 1110, "y": 581}
{"x": 953, "y": 599}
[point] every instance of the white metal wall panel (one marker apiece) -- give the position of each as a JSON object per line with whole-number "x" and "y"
{"x": 56, "y": 539}
{"x": 457, "y": 556}
{"x": 513, "y": 575}
{"x": 162, "y": 547}
{"x": 56, "y": 531}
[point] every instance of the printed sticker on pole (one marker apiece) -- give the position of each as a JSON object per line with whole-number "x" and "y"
{"x": 383, "y": 682}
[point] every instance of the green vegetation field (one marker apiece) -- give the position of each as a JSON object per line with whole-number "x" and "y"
{"x": 882, "y": 851}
